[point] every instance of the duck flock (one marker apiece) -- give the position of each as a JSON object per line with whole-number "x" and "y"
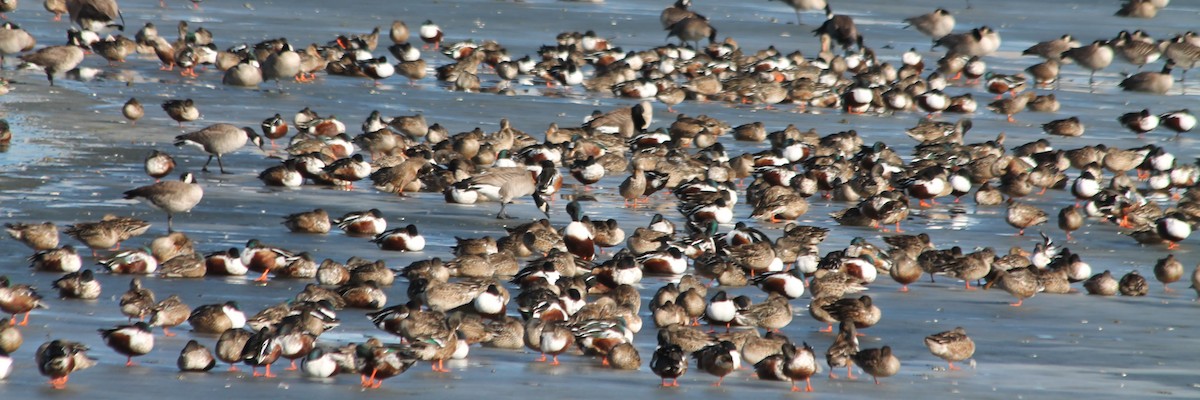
{"x": 567, "y": 278}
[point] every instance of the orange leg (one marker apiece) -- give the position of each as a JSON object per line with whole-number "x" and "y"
{"x": 542, "y": 358}
{"x": 922, "y": 203}
{"x": 850, "y": 372}
{"x": 604, "y": 361}
{"x": 555, "y": 360}
{"x": 24, "y": 321}
{"x": 263, "y": 278}
{"x": 719, "y": 380}
{"x": 292, "y": 367}
{"x": 969, "y": 285}
{"x": 269, "y": 374}
{"x": 827, "y": 328}
{"x": 233, "y": 368}
{"x": 952, "y": 367}
{"x": 129, "y": 362}
{"x": 167, "y": 333}
{"x": 1170, "y": 246}
{"x": 1018, "y": 303}
{"x": 808, "y": 385}
{"x": 904, "y": 288}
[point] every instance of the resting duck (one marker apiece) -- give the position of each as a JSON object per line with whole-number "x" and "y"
{"x": 953, "y": 345}
{"x": 315, "y": 221}
{"x": 78, "y": 285}
{"x": 217, "y": 318}
{"x": 861, "y": 311}
{"x": 64, "y": 259}
{"x": 401, "y": 239}
{"x": 195, "y": 357}
{"x": 382, "y": 362}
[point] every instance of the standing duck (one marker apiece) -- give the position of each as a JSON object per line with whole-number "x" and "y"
{"x": 129, "y": 340}
{"x": 861, "y": 311}
{"x": 219, "y": 139}
{"x": 792, "y": 365}
{"x": 1168, "y": 270}
{"x": 718, "y": 359}
{"x": 16, "y": 299}
{"x": 262, "y": 349}
{"x": 1021, "y": 216}
{"x": 843, "y": 349}
{"x": 1022, "y": 283}
{"x": 169, "y": 313}
{"x": 879, "y": 363}
{"x": 57, "y": 359}
{"x": 578, "y": 234}
{"x": 431, "y": 34}
{"x": 230, "y": 345}
{"x": 170, "y": 196}
{"x": 953, "y": 345}
{"x": 669, "y": 362}
{"x": 39, "y": 237}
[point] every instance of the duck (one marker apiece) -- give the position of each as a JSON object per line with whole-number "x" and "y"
{"x": 1180, "y": 121}
{"x": 953, "y": 345}
{"x": 37, "y": 236}
{"x": 218, "y": 140}
{"x": 181, "y": 110}
{"x": 195, "y": 357}
{"x": 17, "y": 299}
{"x": 78, "y": 285}
{"x": 1021, "y": 216}
{"x": 217, "y": 318}
{"x": 1138, "y": 9}
{"x": 1070, "y": 219}
{"x": 226, "y": 263}
{"x": 137, "y": 302}
{"x": 129, "y": 340}
{"x": 905, "y": 271}
{"x": 1069, "y": 127}
{"x": 1168, "y": 270}
{"x": 792, "y": 364}
{"x": 262, "y": 349}
{"x": 171, "y": 197}
{"x": 133, "y": 110}
{"x": 669, "y": 362}
{"x": 772, "y": 315}
{"x": 1133, "y": 284}
{"x": 230, "y": 345}
{"x": 578, "y": 235}
{"x": 58, "y": 358}
{"x": 861, "y": 311}
{"x": 1022, "y": 283}
{"x": 1011, "y": 106}
{"x": 136, "y": 261}
{"x": 1102, "y": 284}
{"x": 879, "y": 363}
{"x": 364, "y": 294}
{"x": 63, "y": 259}
{"x": 1173, "y": 228}
{"x": 431, "y": 34}
{"x": 169, "y": 313}
{"x": 407, "y": 238}
{"x": 841, "y": 352}
{"x": 362, "y": 223}
{"x": 158, "y": 165}
{"x": 718, "y": 359}
{"x": 383, "y": 362}
{"x": 315, "y": 221}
